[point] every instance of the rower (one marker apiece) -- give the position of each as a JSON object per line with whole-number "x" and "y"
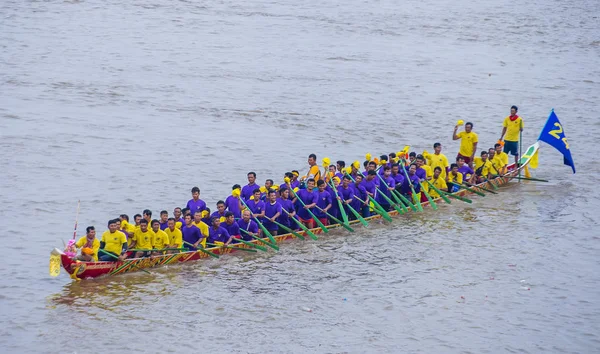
{"x": 136, "y": 219}
{"x": 386, "y": 188}
{"x": 248, "y": 189}
{"x": 309, "y": 198}
{"x": 396, "y": 174}
{"x": 248, "y": 225}
{"x": 272, "y": 211}
{"x": 191, "y": 234}
{"x": 454, "y": 178}
{"x": 500, "y": 159}
{"x": 359, "y": 192}
{"x": 164, "y": 216}
{"x": 411, "y": 159}
{"x": 294, "y": 183}
{"x": 468, "y": 143}
{"x": 465, "y": 170}
{"x": 113, "y": 242}
{"x": 89, "y": 245}
{"x": 231, "y": 226}
{"x": 143, "y": 239}
{"x": 438, "y": 181}
{"x": 324, "y": 200}
{"x": 424, "y": 172}
{"x": 256, "y": 206}
{"x": 220, "y": 210}
{"x": 147, "y": 215}
{"x": 160, "y": 239}
{"x": 512, "y": 126}
{"x": 174, "y": 234}
{"x": 206, "y": 216}
{"x": 178, "y": 217}
{"x": 493, "y": 171}
{"x": 233, "y": 203}
{"x": 330, "y": 174}
{"x": 438, "y": 159}
{"x": 202, "y": 226}
{"x": 482, "y": 167}
{"x": 369, "y": 184}
{"x": 412, "y": 179}
{"x": 196, "y": 204}
{"x": 218, "y": 233}
{"x": 313, "y": 170}
{"x": 287, "y": 176}
{"x": 126, "y": 226}
{"x": 340, "y": 164}
{"x": 287, "y": 205}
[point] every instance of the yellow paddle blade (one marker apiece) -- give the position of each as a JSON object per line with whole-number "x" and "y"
{"x": 54, "y": 265}
{"x": 533, "y": 163}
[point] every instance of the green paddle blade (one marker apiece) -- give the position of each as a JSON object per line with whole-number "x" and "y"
{"x": 442, "y": 194}
{"x": 431, "y": 201}
{"x": 287, "y": 229}
{"x": 259, "y": 247}
{"x": 301, "y": 225}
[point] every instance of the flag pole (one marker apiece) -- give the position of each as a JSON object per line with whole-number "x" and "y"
{"x": 520, "y": 148}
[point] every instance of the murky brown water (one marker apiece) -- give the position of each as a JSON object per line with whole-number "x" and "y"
{"x": 127, "y": 105}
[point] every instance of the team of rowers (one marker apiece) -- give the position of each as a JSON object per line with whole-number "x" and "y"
{"x": 301, "y": 201}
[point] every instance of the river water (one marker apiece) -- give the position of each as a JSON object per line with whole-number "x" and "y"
{"x": 126, "y": 105}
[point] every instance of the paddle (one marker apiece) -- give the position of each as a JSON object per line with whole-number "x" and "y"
{"x": 76, "y": 218}
{"x": 301, "y": 225}
{"x": 431, "y": 201}
{"x": 358, "y": 216}
{"x": 117, "y": 258}
{"x": 202, "y": 250}
{"x": 470, "y": 189}
{"x": 354, "y": 212}
{"x": 466, "y": 200}
{"x": 442, "y": 194}
{"x": 259, "y": 247}
{"x": 273, "y": 246}
{"x": 264, "y": 229}
{"x": 288, "y": 230}
{"x": 341, "y": 207}
{"x": 480, "y": 187}
{"x": 157, "y": 250}
{"x": 347, "y": 227}
{"x": 398, "y": 202}
{"x": 381, "y": 212}
{"x": 325, "y": 230}
{"x": 529, "y": 179}
{"x": 232, "y": 247}
{"x": 412, "y": 188}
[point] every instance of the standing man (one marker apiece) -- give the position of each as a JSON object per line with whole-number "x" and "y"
{"x": 248, "y": 189}
{"x": 313, "y": 171}
{"x": 437, "y": 159}
{"x": 468, "y": 143}
{"x": 233, "y": 201}
{"x": 196, "y": 204}
{"x": 512, "y": 128}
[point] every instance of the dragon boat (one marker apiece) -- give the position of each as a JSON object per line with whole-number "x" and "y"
{"x": 87, "y": 270}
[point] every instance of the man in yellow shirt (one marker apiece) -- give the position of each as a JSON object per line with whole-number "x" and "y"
{"x": 468, "y": 143}
{"x": 174, "y": 234}
{"x": 493, "y": 171}
{"x": 313, "y": 172}
{"x": 114, "y": 243}
{"x": 500, "y": 159}
{"x": 438, "y": 181}
{"x": 512, "y": 126}
{"x": 437, "y": 159}
{"x": 160, "y": 239}
{"x": 126, "y": 226}
{"x": 143, "y": 239}
{"x": 88, "y": 243}
{"x": 202, "y": 226}
{"x": 482, "y": 167}
{"x": 454, "y": 179}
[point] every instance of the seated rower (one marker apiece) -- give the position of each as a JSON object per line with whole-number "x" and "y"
{"x": 466, "y": 171}
{"x": 386, "y": 188}
{"x": 248, "y": 225}
{"x": 174, "y": 235}
{"x": 126, "y": 226}
{"x": 309, "y": 198}
{"x": 397, "y": 175}
{"x": 164, "y": 216}
{"x": 89, "y": 245}
{"x": 272, "y": 211}
{"x": 217, "y": 233}
{"x": 202, "y": 226}
{"x": 454, "y": 178}
{"x": 160, "y": 239}
{"x": 482, "y": 167}
{"x": 178, "y": 217}
{"x": 494, "y": 163}
{"x": 439, "y": 182}
{"x": 256, "y": 206}
{"x": 136, "y": 220}
{"x": 287, "y": 205}
{"x": 500, "y": 159}
{"x": 345, "y": 193}
{"x": 413, "y": 180}
{"x": 323, "y": 201}
{"x": 220, "y": 210}
{"x": 360, "y": 192}
{"x": 340, "y": 167}
{"x": 113, "y": 243}
{"x": 206, "y": 216}
{"x": 143, "y": 239}
{"x": 231, "y": 226}
{"x": 233, "y": 203}
{"x": 191, "y": 236}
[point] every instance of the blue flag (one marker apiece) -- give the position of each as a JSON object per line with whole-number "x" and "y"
{"x": 554, "y": 134}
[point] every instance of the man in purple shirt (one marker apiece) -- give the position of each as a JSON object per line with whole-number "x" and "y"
{"x": 323, "y": 202}
{"x": 233, "y": 203}
{"x": 220, "y": 210}
{"x": 191, "y": 234}
{"x": 369, "y": 183}
{"x": 256, "y": 206}
{"x": 290, "y": 176}
{"x": 287, "y": 205}
{"x": 196, "y": 204}
{"x": 467, "y": 172}
{"x": 386, "y": 187}
{"x": 178, "y": 215}
{"x": 164, "y": 217}
{"x": 248, "y": 189}
{"x": 340, "y": 167}
{"x": 309, "y": 198}
{"x": 248, "y": 226}
{"x": 232, "y": 227}
{"x": 412, "y": 179}
{"x": 272, "y": 211}
{"x": 421, "y": 173}
{"x": 397, "y": 175}
{"x": 346, "y": 193}
{"x": 359, "y": 192}
{"x": 217, "y": 233}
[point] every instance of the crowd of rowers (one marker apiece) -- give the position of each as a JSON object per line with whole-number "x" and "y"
{"x": 317, "y": 195}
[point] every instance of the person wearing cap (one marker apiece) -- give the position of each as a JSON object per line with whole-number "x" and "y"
{"x": 294, "y": 183}
{"x": 89, "y": 245}
{"x": 512, "y": 126}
